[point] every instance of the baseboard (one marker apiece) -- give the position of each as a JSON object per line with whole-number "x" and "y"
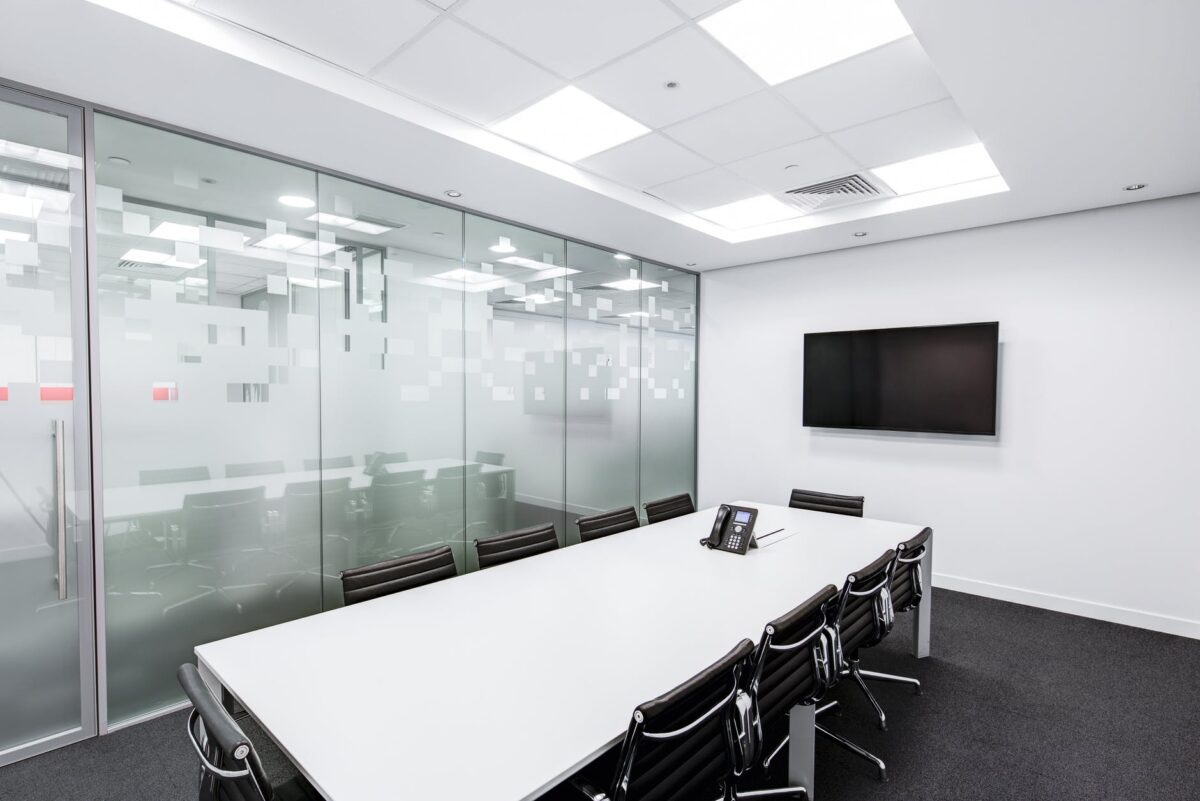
{"x": 1072, "y": 606}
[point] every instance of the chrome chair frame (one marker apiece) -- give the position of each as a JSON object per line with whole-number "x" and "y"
{"x": 904, "y": 560}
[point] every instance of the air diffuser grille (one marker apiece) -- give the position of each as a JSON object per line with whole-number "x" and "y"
{"x": 843, "y": 191}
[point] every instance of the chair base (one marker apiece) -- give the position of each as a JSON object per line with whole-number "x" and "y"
{"x": 842, "y": 741}
{"x": 872, "y": 675}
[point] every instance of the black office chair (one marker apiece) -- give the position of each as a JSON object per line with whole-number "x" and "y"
{"x": 907, "y": 588}
{"x": 329, "y": 463}
{"x": 693, "y": 742}
{"x": 254, "y": 469}
{"x": 386, "y": 457}
{"x": 514, "y": 545}
{"x": 489, "y": 457}
{"x": 395, "y": 501}
{"x": 611, "y": 522}
{"x": 666, "y": 508}
{"x": 495, "y": 485}
{"x": 230, "y": 769}
{"x": 172, "y": 475}
{"x": 863, "y": 619}
{"x": 449, "y": 485}
{"x": 851, "y": 505}
{"x": 396, "y": 575}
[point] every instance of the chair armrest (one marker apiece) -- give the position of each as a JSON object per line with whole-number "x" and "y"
{"x": 588, "y": 789}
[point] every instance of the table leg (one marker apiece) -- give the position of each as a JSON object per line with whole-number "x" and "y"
{"x": 802, "y": 731}
{"x": 922, "y": 622}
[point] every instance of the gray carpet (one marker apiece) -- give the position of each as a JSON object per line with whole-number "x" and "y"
{"x": 1019, "y": 703}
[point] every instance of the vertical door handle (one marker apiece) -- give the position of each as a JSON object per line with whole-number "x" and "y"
{"x": 60, "y": 503}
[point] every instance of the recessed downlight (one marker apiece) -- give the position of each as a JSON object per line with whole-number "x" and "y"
{"x": 690, "y": 264}
{"x": 1134, "y": 187}
{"x": 860, "y": 233}
{"x": 622, "y": 256}
{"x": 453, "y": 193}
{"x": 297, "y": 201}
{"x": 120, "y": 161}
{"x": 503, "y": 245}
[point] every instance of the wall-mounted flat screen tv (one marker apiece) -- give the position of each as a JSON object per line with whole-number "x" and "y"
{"x": 939, "y": 379}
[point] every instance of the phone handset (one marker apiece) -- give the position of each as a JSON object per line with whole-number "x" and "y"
{"x": 718, "y": 529}
{"x": 733, "y": 530}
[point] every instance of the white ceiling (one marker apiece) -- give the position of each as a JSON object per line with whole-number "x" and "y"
{"x": 1069, "y": 112}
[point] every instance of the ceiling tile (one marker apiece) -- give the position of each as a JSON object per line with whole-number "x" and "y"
{"x": 458, "y": 70}
{"x": 707, "y": 74}
{"x": 742, "y": 128}
{"x": 705, "y": 190}
{"x": 698, "y": 8}
{"x": 443, "y": 3}
{"x": 356, "y": 34}
{"x": 646, "y": 161}
{"x": 796, "y": 165}
{"x": 916, "y": 132}
{"x": 878, "y": 83}
{"x": 571, "y": 37}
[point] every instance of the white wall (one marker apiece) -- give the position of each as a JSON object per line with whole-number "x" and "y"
{"x": 1086, "y": 501}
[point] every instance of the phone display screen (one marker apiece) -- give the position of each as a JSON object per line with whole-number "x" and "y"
{"x": 741, "y": 517}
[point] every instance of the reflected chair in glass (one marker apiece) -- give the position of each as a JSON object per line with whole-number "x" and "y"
{"x": 254, "y": 469}
{"x": 862, "y": 619}
{"x": 173, "y": 475}
{"x": 230, "y": 769}
{"x": 312, "y": 511}
{"x": 452, "y": 488}
{"x": 693, "y": 742}
{"x": 606, "y": 523}
{"x": 218, "y": 532}
{"x": 329, "y": 463}
{"x": 667, "y": 508}
{"x": 395, "y": 505}
{"x": 495, "y": 485}
{"x": 489, "y": 457}
{"x": 813, "y": 501}
{"x": 514, "y": 545}
{"x": 907, "y": 587}
{"x": 396, "y": 575}
{"x": 386, "y": 457}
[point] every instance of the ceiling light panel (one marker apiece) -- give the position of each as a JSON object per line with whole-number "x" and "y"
{"x": 750, "y": 212}
{"x": 783, "y": 39}
{"x": 946, "y": 168}
{"x": 630, "y": 284}
{"x": 571, "y": 125}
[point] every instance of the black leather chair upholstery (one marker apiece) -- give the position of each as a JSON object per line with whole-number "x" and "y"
{"x": 666, "y": 508}
{"x": 230, "y": 769}
{"x": 172, "y": 475}
{"x": 793, "y": 661}
{"x": 514, "y": 545}
{"x": 864, "y": 618}
{"x": 396, "y": 575}
{"x": 612, "y": 522}
{"x": 851, "y": 505}
{"x": 908, "y": 585}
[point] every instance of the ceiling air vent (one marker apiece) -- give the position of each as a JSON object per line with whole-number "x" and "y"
{"x": 845, "y": 191}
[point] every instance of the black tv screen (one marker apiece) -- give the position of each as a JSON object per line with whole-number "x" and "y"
{"x": 938, "y": 379}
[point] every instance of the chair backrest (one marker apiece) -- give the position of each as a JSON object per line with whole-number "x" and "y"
{"x": 682, "y": 745}
{"x": 793, "y": 663}
{"x": 513, "y": 545}
{"x": 325, "y": 501}
{"x": 908, "y": 584}
{"x": 666, "y": 508}
{"x": 827, "y": 502}
{"x": 605, "y": 523}
{"x": 449, "y": 485}
{"x": 329, "y": 462}
{"x": 230, "y": 769}
{"x": 386, "y": 457}
{"x": 395, "y": 496}
{"x": 224, "y": 520}
{"x": 172, "y": 475}
{"x": 489, "y": 457}
{"x": 254, "y": 468}
{"x": 864, "y": 615}
{"x": 396, "y": 575}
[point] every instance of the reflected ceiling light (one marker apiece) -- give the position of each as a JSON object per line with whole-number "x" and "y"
{"x": 39, "y": 155}
{"x": 26, "y": 208}
{"x": 297, "y": 244}
{"x": 362, "y": 226}
{"x": 155, "y": 257}
{"x": 503, "y": 245}
{"x": 757, "y": 210}
{"x": 622, "y": 256}
{"x": 782, "y": 39}
{"x": 15, "y": 236}
{"x": 314, "y": 283}
{"x": 297, "y": 201}
{"x": 538, "y": 299}
{"x": 636, "y": 314}
{"x": 630, "y": 284}
{"x": 177, "y": 232}
{"x": 469, "y": 276}
{"x": 534, "y": 264}
{"x": 570, "y": 125}
{"x": 935, "y": 170}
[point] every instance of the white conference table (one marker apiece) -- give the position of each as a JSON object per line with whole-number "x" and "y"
{"x": 499, "y": 684}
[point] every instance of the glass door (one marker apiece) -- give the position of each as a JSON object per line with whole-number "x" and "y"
{"x": 47, "y": 658}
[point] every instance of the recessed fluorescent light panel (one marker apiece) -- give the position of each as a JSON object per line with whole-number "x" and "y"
{"x": 13, "y": 236}
{"x": 570, "y": 125}
{"x": 783, "y": 39}
{"x": 297, "y": 201}
{"x": 337, "y": 220}
{"x": 945, "y": 168}
{"x": 752, "y": 211}
{"x": 537, "y": 299}
{"x": 154, "y": 257}
{"x": 534, "y": 264}
{"x": 630, "y": 284}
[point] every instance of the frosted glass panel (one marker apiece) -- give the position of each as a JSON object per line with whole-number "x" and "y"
{"x": 604, "y": 325}
{"x": 392, "y": 372}
{"x": 209, "y": 386}
{"x": 668, "y": 415}
{"x": 518, "y": 289}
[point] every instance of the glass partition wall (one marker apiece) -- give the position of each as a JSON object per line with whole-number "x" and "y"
{"x": 299, "y": 373}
